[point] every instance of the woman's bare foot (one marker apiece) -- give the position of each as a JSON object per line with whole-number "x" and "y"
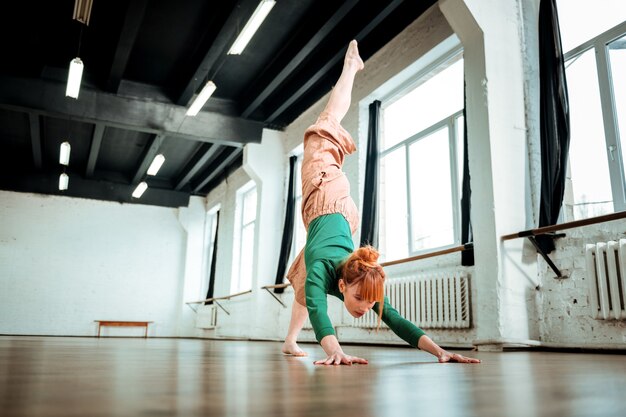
{"x": 353, "y": 59}
{"x": 292, "y": 348}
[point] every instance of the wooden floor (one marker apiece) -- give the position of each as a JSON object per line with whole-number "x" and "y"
{"x": 49, "y": 376}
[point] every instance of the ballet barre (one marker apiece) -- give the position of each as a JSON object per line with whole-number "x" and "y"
{"x": 215, "y": 300}
{"x": 549, "y": 231}
{"x": 461, "y": 248}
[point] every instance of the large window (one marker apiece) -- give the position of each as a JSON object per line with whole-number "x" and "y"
{"x": 243, "y": 253}
{"x": 420, "y": 162}
{"x": 594, "y": 43}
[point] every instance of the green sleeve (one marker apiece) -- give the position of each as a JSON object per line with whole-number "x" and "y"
{"x": 406, "y": 330}
{"x": 316, "y": 288}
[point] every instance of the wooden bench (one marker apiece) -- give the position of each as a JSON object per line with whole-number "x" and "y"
{"x": 112, "y": 323}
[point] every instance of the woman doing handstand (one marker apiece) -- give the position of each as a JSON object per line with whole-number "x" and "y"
{"x": 329, "y": 264}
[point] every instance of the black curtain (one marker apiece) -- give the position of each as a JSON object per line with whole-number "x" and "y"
{"x": 467, "y": 256}
{"x": 210, "y": 292}
{"x": 288, "y": 228}
{"x": 554, "y": 120}
{"x": 369, "y": 221}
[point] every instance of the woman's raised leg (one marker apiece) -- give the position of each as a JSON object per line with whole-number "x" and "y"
{"x": 338, "y": 105}
{"x": 341, "y": 96}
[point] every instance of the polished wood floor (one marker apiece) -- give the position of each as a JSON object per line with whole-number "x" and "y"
{"x": 49, "y": 376}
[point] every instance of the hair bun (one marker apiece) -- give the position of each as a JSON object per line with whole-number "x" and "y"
{"x": 367, "y": 254}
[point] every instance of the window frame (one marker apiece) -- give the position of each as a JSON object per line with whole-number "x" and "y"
{"x": 608, "y": 107}
{"x": 451, "y": 123}
{"x": 242, "y": 193}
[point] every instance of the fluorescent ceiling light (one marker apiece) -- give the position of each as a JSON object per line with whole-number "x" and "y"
{"x": 64, "y": 181}
{"x": 201, "y": 98}
{"x": 156, "y": 164}
{"x": 64, "y": 154}
{"x": 140, "y": 189}
{"x": 252, "y": 26}
{"x": 74, "y": 77}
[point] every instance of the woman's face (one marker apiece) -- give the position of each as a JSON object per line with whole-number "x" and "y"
{"x": 356, "y": 305}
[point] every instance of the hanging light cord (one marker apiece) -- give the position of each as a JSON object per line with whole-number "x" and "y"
{"x": 80, "y": 39}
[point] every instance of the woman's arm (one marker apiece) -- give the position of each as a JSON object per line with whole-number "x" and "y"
{"x": 415, "y": 336}
{"x": 426, "y": 343}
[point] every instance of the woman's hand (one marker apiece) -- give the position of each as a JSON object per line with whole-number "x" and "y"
{"x": 426, "y": 343}
{"x": 335, "y": 355}
{"x": 446, "y": 356}
{"x": 340, "y": 358}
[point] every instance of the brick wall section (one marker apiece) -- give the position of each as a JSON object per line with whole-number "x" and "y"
{"x": 566, "y": 316}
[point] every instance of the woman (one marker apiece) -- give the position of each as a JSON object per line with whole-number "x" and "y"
{"x": 328, "y": 263}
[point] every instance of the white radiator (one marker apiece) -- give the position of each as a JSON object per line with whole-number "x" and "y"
{"x": 439, "y": 301}
{"x": 606, "y": 270}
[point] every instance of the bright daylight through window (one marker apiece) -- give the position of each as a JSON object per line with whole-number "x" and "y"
{"x": 420, "y": 164}
{"x": 243, "y": 253}
{"x": 594, "y": 43}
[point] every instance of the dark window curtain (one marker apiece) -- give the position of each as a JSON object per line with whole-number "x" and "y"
{"x": 209, "y": 293}
{"x": 369, "y": 221}
{"x": 467, "y": 256}
{"x": 554, "y": 120}
{"x": 288, "y": 228}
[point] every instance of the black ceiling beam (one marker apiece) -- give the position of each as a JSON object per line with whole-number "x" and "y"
{"x": 35, "y": 139}
{"x": 218, "y": 50}
{"x": 95, "y": 189}
{"x": 216, "y": 169}
{"x": 333, "y": 61}
{"x": 94, "y": 149}
{"x": 149, "y": 116}
{"x": 196, "y": 164}
{"x": 216, "y": 181}
{"x": 310, "y": 46}
{"x": 148, "y": 156}
{"x": 132, "y": 22}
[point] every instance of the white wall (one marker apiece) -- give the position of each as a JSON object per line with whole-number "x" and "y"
{"x": 65, "y": 262}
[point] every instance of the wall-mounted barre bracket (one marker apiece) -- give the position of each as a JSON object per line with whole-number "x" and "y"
{"x": 269, "y": 287}
{"x": 220, "y": 306}
{"x": 214, "y": 300}
{"x": 195, "y": 310}
{"x": 544, "y": 255}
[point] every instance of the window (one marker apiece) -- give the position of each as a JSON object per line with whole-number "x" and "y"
{"x": 594, "y": 43}
{"x": 210, "y": 237}
{"x": 243, "y": 253}
{"x": 421, "y": 151}
{"x": 299, "y": 236}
